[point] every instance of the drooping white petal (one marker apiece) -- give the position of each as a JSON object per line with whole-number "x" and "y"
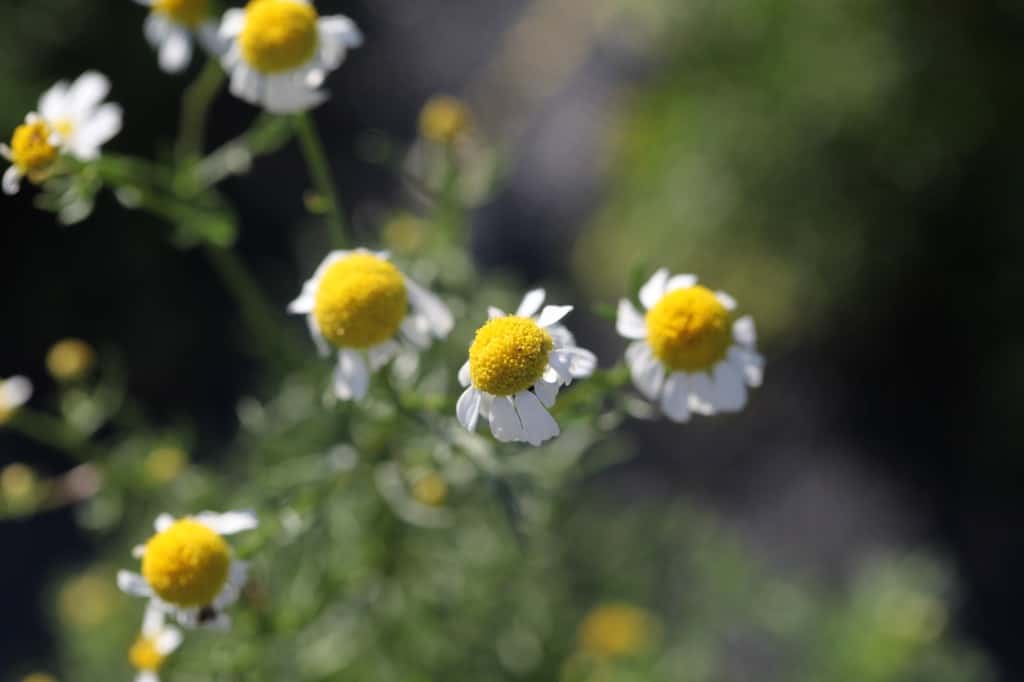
{"x": 246, "y": 83}
{"x": 431, "y": 307}
{"x": 416, "y": 328}
{"x": 163, "y": 522}
{"x": 285, "y": 94}
{"x": 726, "y": 300}
{"x": 551, "y": 314}
{"x": 133, "y": 584}
{"x": 547, "y": 390}
{"x": 152, "y": 621}
{"x": 228, "y": 523}
{"x": 654, "y": 289}
{"x": 729, "y": 387}
{"x": 581, "y": 362}
{"x": 232, "y": 22}
{"x": 464, "y": 376}
{"x": 561, "y": 364}
{"x": 561, "y": 336}
{"x": 146, "y": 676}
{"x": 676, "y": 282}
{"x": 382, "y": 353}
{"x": 744, "y": 332}
{"x": 351, "y": 377}
{"x": 532, "y": 302}
{"x": 629, "y": 322}
{"x": 12, "y": 180}
{"x": 703, "y": 396}
{"x": 647, "y": 372}
{"x": 322, "y": 347}
{"x": 468, "y": 408}
{"x": 505, "y": 424}
{"x": 238, "y": 574}
{"x": 168, "y": 641}
{"x": 155, "y": 28}
{"x": 175, "y": 51}
{"x": 538, "y": 424}
{"x": 675, "y": 399}
{"x": 750, "y": 363}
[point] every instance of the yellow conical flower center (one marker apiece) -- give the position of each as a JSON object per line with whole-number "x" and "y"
{"x": 279, "y": 35}
{"x": 616, "y": 630}
{"x": 688, "y": 329}
{"x": 185, "y": 12}
{"x": 509, "y": 355}
{"x": 361, "y": 301}
{"x": 444, "y": 118}
{"x": 187, "y": 564}
{"x": 144, "y": 655}
{"x": 31, "y": 148}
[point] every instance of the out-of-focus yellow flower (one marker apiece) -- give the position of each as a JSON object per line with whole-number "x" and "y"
{"x": 164, "y": 464}
{"x": 39, "y": 677}
{"x": 430, "y": 490}
{"x": 154, "y": 644}
{"x": 444, "y": 119}
{"x": 404, "y": 233}
{"x": 19, "y": 485}
{"x": 615, "y": 631}
{"x": 86, "y": 600}
{"x": 70, "y": 359}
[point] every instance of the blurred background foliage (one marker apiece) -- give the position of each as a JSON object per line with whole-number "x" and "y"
{"x": 848, "y": 170}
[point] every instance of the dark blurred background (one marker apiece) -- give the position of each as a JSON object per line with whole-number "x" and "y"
{"x": 848, "y": 170}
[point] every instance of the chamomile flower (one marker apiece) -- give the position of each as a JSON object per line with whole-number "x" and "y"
{"x": 72, "y": 119}
{"x": 170, "y": 28}
{"x": 280, "y": 52}
{"x": 517, "y": 363}
{"x": 360, "y": 304}
{"x": 688, "y": 354}
{"x": 14, "y": 392}
{"x": 154, "y": 644}
{"x": 188, "y": 569}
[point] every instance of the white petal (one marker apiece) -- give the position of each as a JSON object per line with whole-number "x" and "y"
{"x": 430, "y": 306}
{"x": 210, "y": 39}
{"x": 133, "y": 584}
{"x": 341, "y": 29}
{"x": 104, "y": 124}
{"x": 416, "y": 328}
{"x": 155, "y": 28}
{"x": 675, "y": 399}
{"x": 464, "y": 376}
{"x": 552, "y": 314}
{"x": 749, "y": 363}
{"x": 652, "y": 292}
{"x": 505, "y": 424}
{"x": 168, "y": 641}
{"x": 303, "y": 305}
{"x": 283, "y": 94}
{"x": 146, "y": 676}
{"x": 538, "y": 424}
{"x": 729, "y": 387}
{"x": 532, "y": 302}
{"x": 53, "y": 103}
{"x": 322, "y": 347}
{"x": 744, "y": 332}
{"x": 561, "y": 336}
{"x": 468, "y": 408}
{"x": 12, "y": 180}
{"x": 15, "y": 392}
{"x": 547, "y": 392}
{"x": 381, "y": 354}
{"x": 152, "y": 621}
{"x": 176, "y": 50}
{"x": 228, "y": 523}
{"x": 237, "y": 577}
{"x": 86, "y": 93}
{"x": 726, "y": 300}
{"x": 246, "y": 83}
{"x": 561, "y": 364}
{"x": 703, "y": 397}
{"x": 647, "y": 372}
{"x": 351, "y": 378}
{"x": 232, "y": 23}
{"x": 163, "y": 522}
{"x": 680, "y": 282}
{"x": 581, "y": 362}
{"x": 629, "y": 322}
{"x": 493, "y": 313}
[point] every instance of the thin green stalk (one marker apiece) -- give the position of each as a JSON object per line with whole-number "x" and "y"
{"x": 195, "y": 105}
{"x": 320, "y": 172}
{"x": 51, "y": 432}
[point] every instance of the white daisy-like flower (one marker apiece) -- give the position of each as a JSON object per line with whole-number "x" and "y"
{"x": 688, "y": 354}
{"x": 72, "y": 119}
{"x": 14, "y": 392}
{"x": 517, "y": 363}
{"x": 280, "y": 51}
{"x": 362, "y": 305}
{"x": 188, "y": 568}
{"x": 155, "y": 643}
{"x": 170, "y": 28}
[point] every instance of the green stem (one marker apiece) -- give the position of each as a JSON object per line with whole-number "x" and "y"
{"x": 320, "y": 171}
{"x": 195, "y": 105}
{"x": 51, "y": 432}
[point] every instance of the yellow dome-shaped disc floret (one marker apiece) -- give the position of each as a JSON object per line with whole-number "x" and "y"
{"x": 509, "y": 355}
{"x": 32, "y": 150}
{"x": 444, "y": 118}
{"x": 185, "y": 12}
{"x": 186, "y": 564}
{"x": 279, "y": 35}
{"x": 688, "y": 329}
{"x": 144, "y": 655}
{"x": 361, "y": 301}
{"x": 616, "y": 630}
